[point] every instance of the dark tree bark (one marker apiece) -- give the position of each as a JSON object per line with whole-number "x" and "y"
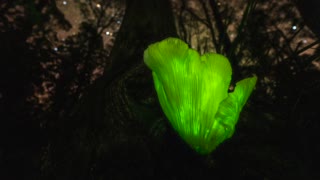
{"x": 118, "y": 124}
{"x": 309, "y": 10}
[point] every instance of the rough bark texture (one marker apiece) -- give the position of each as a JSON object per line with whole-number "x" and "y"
{"x": 118, "y": 124}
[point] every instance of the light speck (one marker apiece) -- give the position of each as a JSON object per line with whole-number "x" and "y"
{"x": 107, "y": 33}
{"x": 55, "y": 49}
{"x": 64, "y": 2}
{"x": 294, "y": 27}
{"x": 98, "y": 5}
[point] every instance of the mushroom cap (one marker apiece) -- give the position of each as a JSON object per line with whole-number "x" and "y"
{"x": 193, "y": 92}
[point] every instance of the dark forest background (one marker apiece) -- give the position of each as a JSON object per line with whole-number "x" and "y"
{"x": 80, "y": 108}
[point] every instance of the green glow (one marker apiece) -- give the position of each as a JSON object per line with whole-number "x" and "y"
{"x": 193, "y": 92}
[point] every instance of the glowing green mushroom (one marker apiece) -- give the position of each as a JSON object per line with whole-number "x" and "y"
{"x": 193, "y": 92}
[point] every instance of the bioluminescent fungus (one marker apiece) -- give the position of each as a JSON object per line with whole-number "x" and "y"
{"x": 193, "y": 92}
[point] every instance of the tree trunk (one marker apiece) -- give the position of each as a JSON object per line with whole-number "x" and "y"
{"x": 118, "y": 124}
